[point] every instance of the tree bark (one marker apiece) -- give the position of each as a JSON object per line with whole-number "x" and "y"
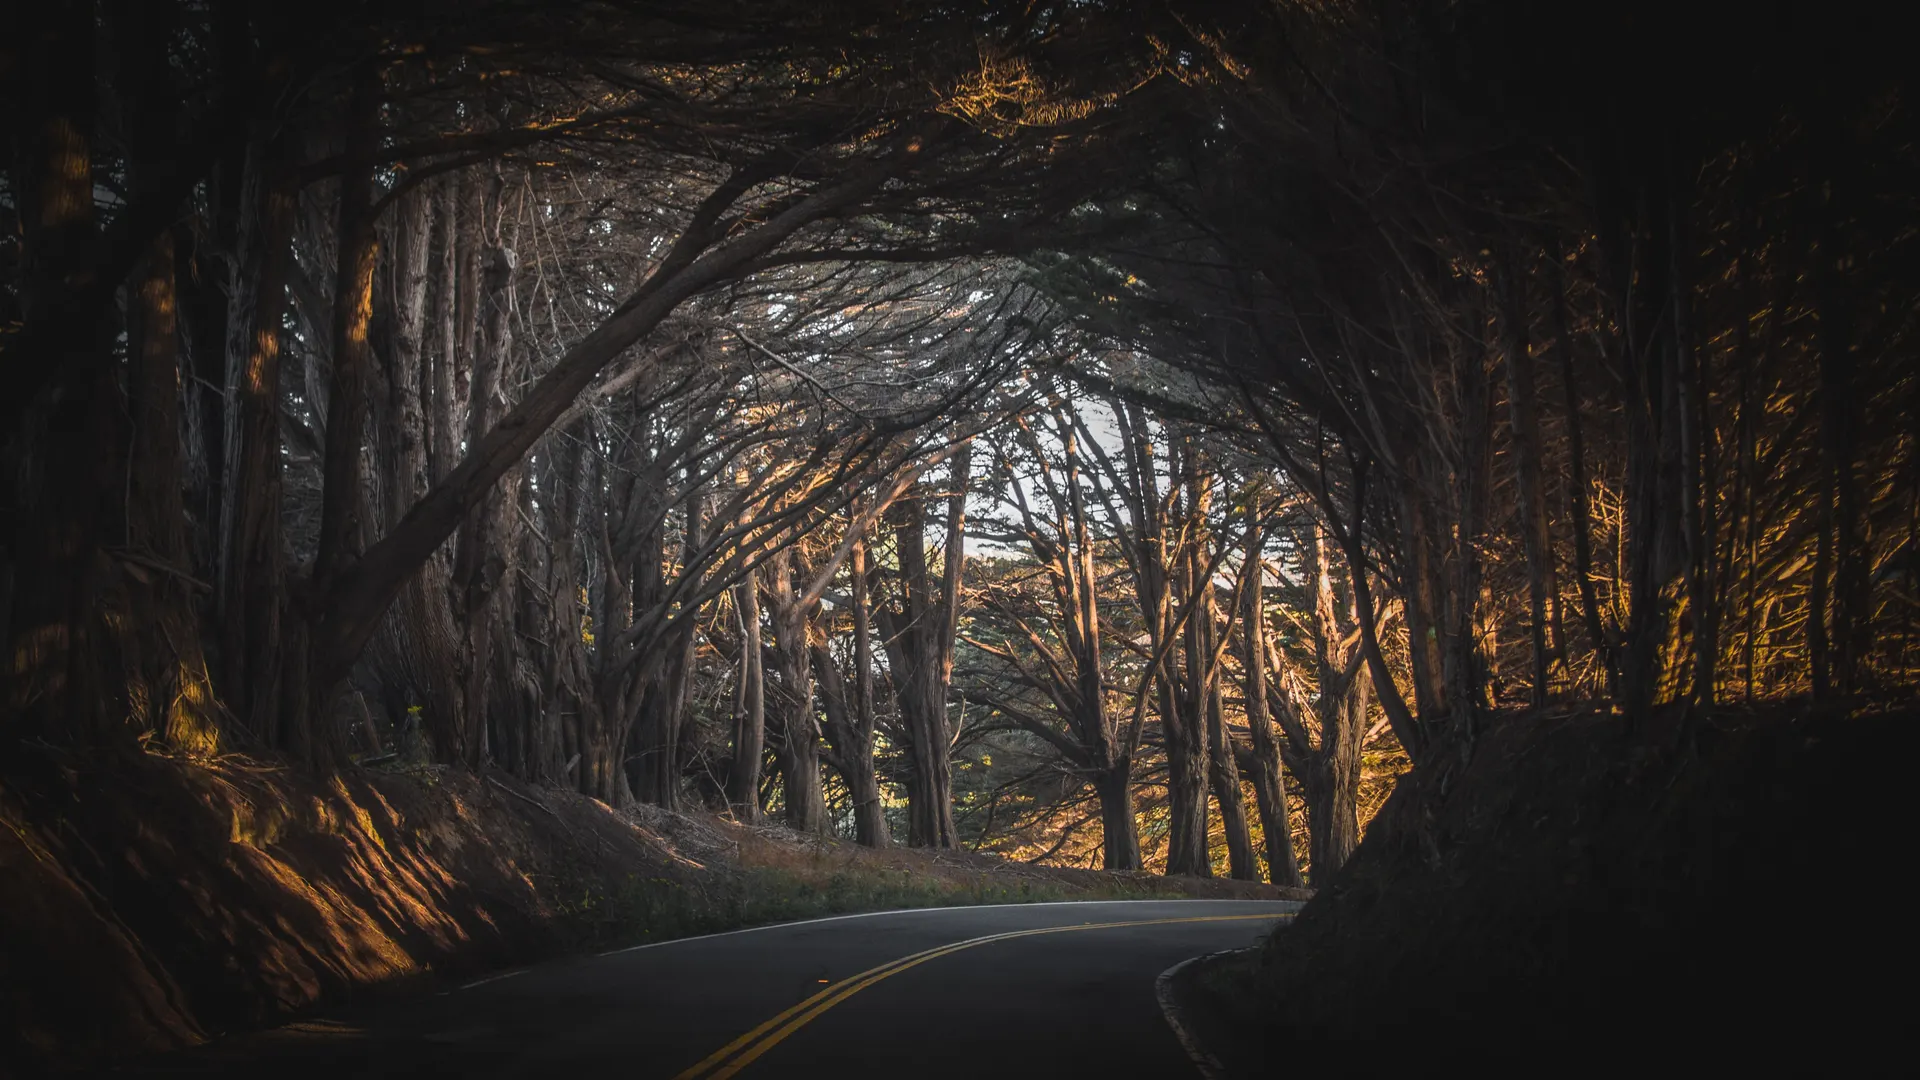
{"x": 253, "y": 552}
{"x": 798, "y": 752}
{"x": 1523, "y": 408}
{"x": 343, "y": 495}
{"x": 480, "y": 566}
{"x": 920, "y": 638}
{"x": 1838, "y": 620}
{"x": 1421, "y": 600}
{"x": 670, "y": 696}
{"x": 171, "y": 691}
{"x": 1184, "y": 719}
{"x": 852, "y": 757}
{"x": 423, "y": 619}
{"x": 343, "y": 499}
{"x": 869, "y": 815}
{"x": 1582, "y": 516}
{"x": 1269, "y": 784}
{"x": 1120, "y": 835}
{"x": 1693, "y": 443}
{"x": 1224, "y": 775}
{"x": 61, "y": 469}
{"x": 1332, "y": 778}
{"x": 448, "y": 353}
{"x": 1648, "y": 396}
{"x": 750, "y": 710}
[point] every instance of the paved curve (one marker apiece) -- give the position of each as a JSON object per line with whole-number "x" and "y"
{"x": 1056, "y": 990}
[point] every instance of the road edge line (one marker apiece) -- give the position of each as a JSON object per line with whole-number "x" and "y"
{"x": 619, "y": 950}
{"x": 491, "y": 979}
{"x": 1203, "y": 1059}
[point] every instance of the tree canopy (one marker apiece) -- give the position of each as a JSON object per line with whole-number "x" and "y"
{"x": 1040, "y": 427}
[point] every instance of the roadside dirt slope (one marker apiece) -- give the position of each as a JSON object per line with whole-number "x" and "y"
{"x": 1714, "y": 895}
{"x": 151, "y": 903}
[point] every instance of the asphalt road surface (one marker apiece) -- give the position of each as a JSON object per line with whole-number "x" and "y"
{"x": 1005, "y": 992}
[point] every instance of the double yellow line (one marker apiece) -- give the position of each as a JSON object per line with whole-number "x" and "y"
{"x": 743, "y": 1051}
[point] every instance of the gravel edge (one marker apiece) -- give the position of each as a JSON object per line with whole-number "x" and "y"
{"x": 1204, "y": 1060}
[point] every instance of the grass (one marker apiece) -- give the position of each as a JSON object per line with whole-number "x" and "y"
{"x": 644, "y": 909}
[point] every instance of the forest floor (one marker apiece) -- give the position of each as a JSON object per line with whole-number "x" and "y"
{"x": 153, "y": 903}
{"x": 1720, "y": 893}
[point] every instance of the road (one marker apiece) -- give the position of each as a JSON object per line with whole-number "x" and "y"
{"x": 1028, "y": 990}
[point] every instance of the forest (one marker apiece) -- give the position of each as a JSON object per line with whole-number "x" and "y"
{"x": 1142, "y": 437}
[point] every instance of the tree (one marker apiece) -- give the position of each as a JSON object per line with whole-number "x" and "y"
{"x": 919, "y": 618}
{"x": 1063, "y": 660}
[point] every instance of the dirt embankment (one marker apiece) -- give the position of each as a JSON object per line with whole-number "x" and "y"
{"x": 1585, "y": 895}
{"x": 152, "y": 904}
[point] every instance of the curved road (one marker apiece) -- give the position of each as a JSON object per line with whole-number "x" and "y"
{"x": 1027, "y": 990}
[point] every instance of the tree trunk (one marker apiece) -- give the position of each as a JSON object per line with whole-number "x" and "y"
{"x": 1523, "y": 407}
{"x": 750, "y": 710}
{"x": 343, "y": 501}
{"x": 423, "y": 621}
{"x": 343, "y": 496}
{"x": 1184, "y": 725}
{"x": 669, "y": 698}
{"x": 1465, "y": 663}
{"x": 412, "y": 244}
{"x": 1120, "y": 843}
{"x": 1224, "y": 774}
{"x": 479, "y": 564}
{"x": 938, "y": 816}
{"x": 169, "y": 686}
{"x": 1838, "y": 621}
{"x": 1332, "y": 769}
{"x": 798, "y": 752}
{"x": 1269, "y": 785}
{"x": 920, "y": 638}
{"x": 852, "y": 756}
{"x": 60, "y": 470}
{"x": 171, "y": 690}
{"x": 253, "y": 553}
{"x": 1184, "y": 736}
{"x": 1694, "y": 443}
{"x": 869, "y": 816}
{"x": 1333, "y": 785}
{"x": 1420, "y": 596}
{"x": 480, "y": 569}
{"x": 564, "y": 677}
{"x": 448, "y": 356}
{"x": 1652, "y": 505}
{"x": 1582, "y": 517}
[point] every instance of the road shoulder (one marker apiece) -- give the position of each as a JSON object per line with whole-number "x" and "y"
{"x": 1196, "y": 997}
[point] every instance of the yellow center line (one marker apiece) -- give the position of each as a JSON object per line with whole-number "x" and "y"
{"x": 744, "y": 1050}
